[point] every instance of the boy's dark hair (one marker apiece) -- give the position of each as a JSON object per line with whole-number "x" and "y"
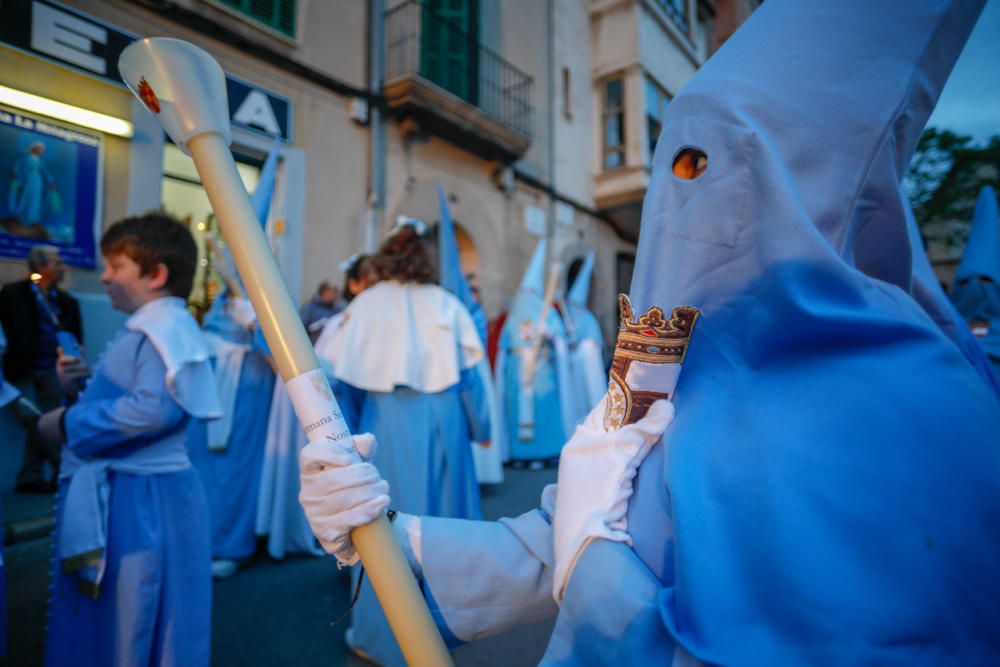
{"x": 155, "y": 238}
{"x": 404, "y": 257}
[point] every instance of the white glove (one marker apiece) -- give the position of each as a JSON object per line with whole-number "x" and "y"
{"x": 241, "y": 311}
{"x": 339, "y": 493}
{"x": 596, "y": 473}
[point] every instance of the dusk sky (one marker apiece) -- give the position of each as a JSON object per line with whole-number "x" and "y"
{"x": 970, "y": 103}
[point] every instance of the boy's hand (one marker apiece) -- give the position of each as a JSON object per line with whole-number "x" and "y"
{"x": 71, "y": 372}
{"x": 50, "y": 427}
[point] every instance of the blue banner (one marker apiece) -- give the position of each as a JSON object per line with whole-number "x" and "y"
{"x": 51, "y": 188}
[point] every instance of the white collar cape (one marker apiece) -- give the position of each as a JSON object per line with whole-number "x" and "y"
{"x": 176, "y": 337}
{"x": 403, "y": 335}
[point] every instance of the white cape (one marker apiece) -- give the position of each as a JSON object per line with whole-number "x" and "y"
{"x": 403, "y": 334}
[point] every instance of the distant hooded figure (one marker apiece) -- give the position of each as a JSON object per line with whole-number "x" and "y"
{"x": 926, "y": 289}
{"x": 825, "y": 489}
{"x": 976, "y": 292}
{"x": 228, "y": 452}
{"x": 590, "y": 381}
{"x": 533, "y": 408}
{"x": 487, "y": 456}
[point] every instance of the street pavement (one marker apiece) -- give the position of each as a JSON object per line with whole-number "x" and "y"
{"x": 279, "y": 612}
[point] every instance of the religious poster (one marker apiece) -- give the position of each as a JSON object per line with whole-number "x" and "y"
{"x": 50, "y": 187}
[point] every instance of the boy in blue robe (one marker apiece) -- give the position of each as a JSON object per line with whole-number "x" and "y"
{"x": 824, "y": 490}
{"x": 132, "y": 584}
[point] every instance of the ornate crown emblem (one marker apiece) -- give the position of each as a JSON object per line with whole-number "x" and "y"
{"x": 148, "y": 97}
{"x": 652, "y": 339}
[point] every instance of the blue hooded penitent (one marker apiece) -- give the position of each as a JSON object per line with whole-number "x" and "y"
{"x": 584, "y": 323}
{"x": 827, "y": 493}
{"x": 452, "y": 276}
{"x": 590, "y": 381}
{"x": 927, "y": 291}
{"x": 976, "y": 292}
{"x": 262, "y": 195}
{"x": 537, "y": 404}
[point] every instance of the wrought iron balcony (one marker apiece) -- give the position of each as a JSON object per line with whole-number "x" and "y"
{"x": 454, "y": 86}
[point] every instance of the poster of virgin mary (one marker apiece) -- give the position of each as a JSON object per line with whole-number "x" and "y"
{"x": 50, "y": 179}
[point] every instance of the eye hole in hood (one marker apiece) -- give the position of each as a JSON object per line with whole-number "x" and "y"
{"x": 690, "y": 163}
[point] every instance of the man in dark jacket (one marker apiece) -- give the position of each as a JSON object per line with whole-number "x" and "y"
{"x": 32, "y": 311}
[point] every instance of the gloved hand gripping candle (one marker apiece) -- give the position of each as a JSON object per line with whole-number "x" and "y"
{"x": 185, "y": 88}
{"x": 598, "y": 465}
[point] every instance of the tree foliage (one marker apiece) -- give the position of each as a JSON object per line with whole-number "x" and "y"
{"x": 944, "y": 179}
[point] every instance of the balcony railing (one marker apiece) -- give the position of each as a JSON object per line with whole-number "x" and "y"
{"x": 420, "y": 43}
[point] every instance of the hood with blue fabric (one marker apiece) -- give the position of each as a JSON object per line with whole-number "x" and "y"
{"x": 927, "y": 291}
{"x": 976, "y": 291}
{"x": 525, "y": 310}
{"x": 450, "y": 266}
{"x": 827, "y": 493}
{"x": 583, "y": 322}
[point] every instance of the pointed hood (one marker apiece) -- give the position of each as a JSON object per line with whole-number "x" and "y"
{"x": 527, "y": 305}
{"x": 452, "y": 276}
{"x": 580, "y": 290}
{"x": 264, "y": 192}
{"x": 926, "y": 290}
{"x": 584, "y": 324}
{"x": 533, "y": 280}
{"x": 976, "y": 291}
{"x": 811, "y": 414}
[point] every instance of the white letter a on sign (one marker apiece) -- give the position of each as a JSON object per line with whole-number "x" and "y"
{"x": 256, "y": 111}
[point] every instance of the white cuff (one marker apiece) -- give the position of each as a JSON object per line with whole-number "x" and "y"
{"x": 407, "y": 530}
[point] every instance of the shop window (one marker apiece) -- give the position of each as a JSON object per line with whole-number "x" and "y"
{"x": 677, "y": 10}
{"x": 276, "y": 14}
{"x": 185, "y": 199}
{"x": 614, "y": 123}
{"x": 656, "y": 106}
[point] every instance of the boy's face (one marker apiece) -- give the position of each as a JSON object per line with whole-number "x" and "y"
{"x": 128, "y": 289}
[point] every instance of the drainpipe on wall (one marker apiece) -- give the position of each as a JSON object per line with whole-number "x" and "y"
{"x": 376, "y": 177}
{"x": 550, "y": 219}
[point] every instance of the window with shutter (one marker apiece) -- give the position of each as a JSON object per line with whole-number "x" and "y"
{"x": 449, "y": 46}
{"x": 276, "y": 14}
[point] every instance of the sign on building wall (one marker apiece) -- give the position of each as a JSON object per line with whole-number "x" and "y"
{"x": 65, "y": 36}
{"x": 51, "y": 188}
{"x": 534, "y": 220}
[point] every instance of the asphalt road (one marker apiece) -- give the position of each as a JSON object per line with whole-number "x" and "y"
{"x": 278, "y": 612}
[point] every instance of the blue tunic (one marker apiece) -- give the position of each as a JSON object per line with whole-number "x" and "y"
{"x": 154, "y": 604}
{"x": 232, "y": 475}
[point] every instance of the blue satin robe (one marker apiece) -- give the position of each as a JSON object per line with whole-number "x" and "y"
{"x": 425, "y": 454}
{"x": 155, "y": 600}
{"x": 232, "y": 475}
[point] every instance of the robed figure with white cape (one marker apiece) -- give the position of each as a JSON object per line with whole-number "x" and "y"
{"x": 404, "y": 367}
